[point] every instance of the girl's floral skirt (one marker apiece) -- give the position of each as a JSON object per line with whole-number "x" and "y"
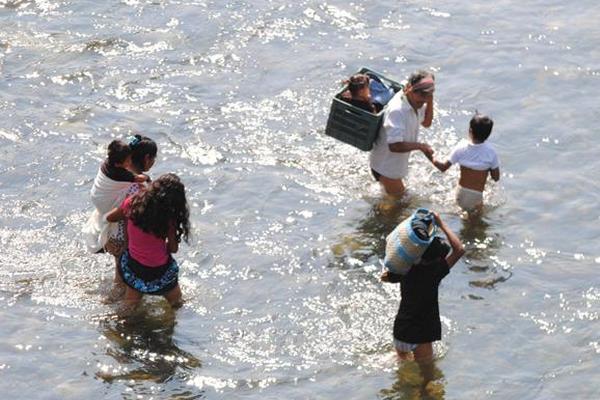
{"x": 148, "y": 280}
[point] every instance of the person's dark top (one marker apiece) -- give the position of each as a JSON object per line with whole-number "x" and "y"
{"x": 418, "y": 318}
{"x": 118, "y": 174}
{"x": 365, "y": 105}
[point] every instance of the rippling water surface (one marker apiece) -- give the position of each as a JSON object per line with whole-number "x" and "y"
{"x": 281, "y": 277}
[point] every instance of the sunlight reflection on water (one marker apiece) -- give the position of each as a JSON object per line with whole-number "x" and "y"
{"x": 281, "y": 277}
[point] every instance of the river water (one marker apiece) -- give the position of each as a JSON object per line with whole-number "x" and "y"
{"x": 281, "y": 276}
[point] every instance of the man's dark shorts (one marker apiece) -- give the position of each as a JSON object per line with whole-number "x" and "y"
{"x": 375, "y": 174}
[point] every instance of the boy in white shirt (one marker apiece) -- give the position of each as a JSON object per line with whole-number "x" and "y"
{"x": 476, "y": 160}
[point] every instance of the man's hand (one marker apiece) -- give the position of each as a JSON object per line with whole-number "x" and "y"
{"x": 427, "y": 151}
{"x": 429, "y": 99}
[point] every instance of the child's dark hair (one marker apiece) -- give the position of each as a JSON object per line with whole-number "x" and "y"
{"x": 160, "y": 206}
{"x": 141, "y": 146}
{"x": 118, "y": 151}
{"x": 356, "y": 83}
{"x": 481, "y": 127}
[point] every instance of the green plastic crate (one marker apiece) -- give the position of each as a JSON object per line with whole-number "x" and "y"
{"x": 353, "y": 125}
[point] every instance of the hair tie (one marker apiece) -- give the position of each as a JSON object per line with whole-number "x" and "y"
{"x": 134, "y": 140}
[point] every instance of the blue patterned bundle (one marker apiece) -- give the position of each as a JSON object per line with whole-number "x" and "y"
{"x": 408, "y": 241}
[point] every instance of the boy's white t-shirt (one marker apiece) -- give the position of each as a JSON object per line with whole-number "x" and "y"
{"x": 477, "y": 156}
{"x": 400, "y": 124}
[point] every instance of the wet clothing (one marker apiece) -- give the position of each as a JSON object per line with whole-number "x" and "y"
{"x": 400, "y": 124}
{"x": 149, "y": 280}
{"x": 106, "y": 194}
{"x": 468, "y": 199}
{"x": 146, "y": 265}
{"x": 404, "y": 347}
{"x": 477, "y": 156}
{"x": 375, "y": 174}
{"x": 147, "y": 248}
{"x": 118, "y": 174}
{"x": 418, "y": 318}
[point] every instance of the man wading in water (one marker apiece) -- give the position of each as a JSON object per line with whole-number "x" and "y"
{"x": 399, "y": 134}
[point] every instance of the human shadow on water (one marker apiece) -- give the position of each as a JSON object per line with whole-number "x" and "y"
{"x": 367, "y": 242}
{"x": 481, "y": 248}
{"x": 143, "y": 346}
{"x": 410, "y": 384}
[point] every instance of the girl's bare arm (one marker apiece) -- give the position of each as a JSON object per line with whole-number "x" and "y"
{"x": 172, "y": 242}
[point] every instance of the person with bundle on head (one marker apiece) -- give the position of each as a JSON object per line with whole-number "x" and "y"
{"x": 417, "y": 323}
{"x": 119, "y": 176}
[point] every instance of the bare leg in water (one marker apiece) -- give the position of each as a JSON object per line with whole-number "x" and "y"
{"x": 394, "y": 190}
{"x": 130, "y": 302}
{"x": 423, "y": 355}
{"x": 393, "y": 187}
{"x": 118, "y": 286}
{"x": 174, "y": 297}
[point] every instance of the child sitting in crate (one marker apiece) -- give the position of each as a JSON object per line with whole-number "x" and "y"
{"x": 358, "y": 93}
{"x": 368, "y": 92}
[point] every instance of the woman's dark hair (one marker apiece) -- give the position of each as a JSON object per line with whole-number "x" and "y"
{"x": 118, "y": 151}
{"x": 160, "y": 206}
{"x": 141, "y": 146}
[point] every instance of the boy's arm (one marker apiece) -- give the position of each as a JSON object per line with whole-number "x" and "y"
{"x": 115, "y": 215}
{"x": 495, "y": 174}
{"x": 458, "y": 249}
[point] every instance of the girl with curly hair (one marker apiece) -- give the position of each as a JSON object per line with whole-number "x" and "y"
{"x": 157, "y": 219}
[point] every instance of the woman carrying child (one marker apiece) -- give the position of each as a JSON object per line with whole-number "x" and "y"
{"x": 119, "y": 176}
{"x": 417, "y": 323}
{"x": 157, "y": 218}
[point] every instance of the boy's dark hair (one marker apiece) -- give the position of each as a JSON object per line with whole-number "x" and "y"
{"x": 118, "y": 151}
{"x": 418, "y": 76}
{"x": 481, "y": 127}
{"x": 160, "y": 206}
{"x": 140, "y": 147}
{"x": 438, "y": 248}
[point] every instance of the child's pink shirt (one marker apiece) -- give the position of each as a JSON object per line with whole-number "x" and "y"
{"x": 144, "y": 247}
